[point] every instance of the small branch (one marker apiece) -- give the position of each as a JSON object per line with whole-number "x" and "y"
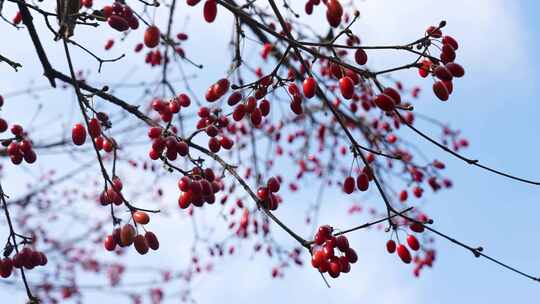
{"x": 13, "y": 64}
{"x": 473, "y": 162}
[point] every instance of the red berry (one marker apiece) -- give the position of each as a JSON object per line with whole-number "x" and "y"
{"x": 78, "y": 134}
{"x": 318, "y": 258}
{"x": 118, "y": 23}
{"x": 141, "y": 217}
{"x": 154, "y": 132}
{"x": 264, "y": 106}
{"x": 351, "y": 255}
{"x": 393, "y": 94}
{"x": 417, "y": 227}
{"x": 362, "y": 182}
{"x": 185, "y": 199}
{"x": 151, "y": 36}
{"x": 443, "y": 73}
{"x": 391, "y": 246}
{"x": 184, "y": 184}
{"x": 109, "y": 243}
{"x": 225, "y": 142}
{"x": 434, "y": 32}
{"x": 423, "y": 71}
{"x": 127, "y": 233}
{"x": 108, "y": 145}
{"x": 234, "y": 98}
{"x": 334, "y": 269}
{"x": 310, "y": 87}
{"x": 3, "y": 125}
{"x": 221, "y": 87}
{"x": 6, "y": 267}
{"x": 451, "y": 41}
{"x": 17, "y": 18}
{"x": 140, "y": 244}
{"x": 342, "y": 243}
{"x": 184, "y": 100}
{"x": 384, "y": 102}
{"x": 239, "y": 112}
{"x": 256, "y": 117}
{"x": 440, "y": 90}
{"x": 346, "y": 86}
{"x": 319, "y": 239}
{"x": 151, "y": 240}
{"x": 449, "y": 86}
{"x": 94, "y": 128}
{"x": 30, "y": 157}
{"x": 210, "y": 10}
{"x": 448, "y": 54}
{"x": 348, "y": 185}
{"x": 328, "y": 250}
{"x": 360, "y": 56}
{"x": 456, "y": 69}
{"x": 404, "y": 254}
{"x": 403, "y": 195}
{"x": 345, "y": 267}
{"x": 213, "y": 145}
{"x": 17, "y": 130}
{"x": 413, "y": 243}
{"x": 334, "y": 12}
{"x": 107, "y": 11}
{"x": 273, "y": 184}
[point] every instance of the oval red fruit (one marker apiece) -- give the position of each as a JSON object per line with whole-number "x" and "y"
{"x": 413, "y": 243}
{"x": 440, "y": 90}
{"x": 310, "y": 87}
{"x": 151, "y": 36}
{"x": 384, "y": 102}
{"x": 210, "y": 11}
{"x": 404, "y": 254}
{"x": 78, "y": 134}
{"x": 346, "y": 86}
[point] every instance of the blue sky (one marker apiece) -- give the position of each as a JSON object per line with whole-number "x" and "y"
{"x": 495, "y": 106}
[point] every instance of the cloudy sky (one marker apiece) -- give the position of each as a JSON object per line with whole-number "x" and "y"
{"x": 496, "y": 107}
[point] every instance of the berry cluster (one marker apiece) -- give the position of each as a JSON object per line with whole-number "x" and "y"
{"x": 170, "y": 144}
{"x": 127, "y": 236}
{"x": 252, "y": 107}
{"x": 361, "y": 182}
{"x": 78, "y": 133}
{"x": 324, "y": 256}
{"x": 120, "y": 17}
{"x": 198, "y": 188}
{"x": 413, "y": 243}
{"x": 269, "y": 199}
{"x": 446, "y": 69}
{"x": 165, "y": 140}
{"x": 213, "y": 125}
{"x": 27, "y": 258}
{"x": 166, "y": 109}
{"x": 19, "y": 147}
{"x": 113, "y": 195}
{"x": 153, "y": 58}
